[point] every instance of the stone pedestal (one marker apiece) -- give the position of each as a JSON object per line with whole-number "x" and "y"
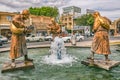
{"x": 107, "y": 65}
{"x": 20, "y": 65}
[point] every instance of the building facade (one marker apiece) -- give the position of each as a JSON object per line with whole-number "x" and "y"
{"x": 89, "y": 11}
{"x": 39, "y": 22}
{"x": 67, "y": 21}
{"x": 5, "y": 20}
{"x": 68, "y": 16}
{"x": 71, "y": 13}
{"x": 75, "y": 11}
{"x": 115, "y": 27}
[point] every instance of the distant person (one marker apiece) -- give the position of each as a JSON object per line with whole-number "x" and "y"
{"x": 73, "y": 39}
{"x": 18, "y": 42}
{"x": 100, "y": 44}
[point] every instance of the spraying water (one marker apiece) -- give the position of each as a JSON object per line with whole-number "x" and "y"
{"x": 58, "y": 53}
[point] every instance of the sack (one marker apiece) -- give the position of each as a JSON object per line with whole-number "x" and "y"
{"x": 16, "y": 30}
{"x": 104, "y": 23}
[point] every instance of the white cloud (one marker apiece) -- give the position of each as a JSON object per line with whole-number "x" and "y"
{"x": 6, "y": 9}
{"x": 109, "y": 8}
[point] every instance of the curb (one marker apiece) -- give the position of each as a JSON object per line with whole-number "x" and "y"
{"x": 48, "y": 46}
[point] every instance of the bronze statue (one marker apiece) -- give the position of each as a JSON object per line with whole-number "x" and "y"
{"x": 53, "y": 27}
{"x": 100, "y": 44}
{"x": 18, "y": 42}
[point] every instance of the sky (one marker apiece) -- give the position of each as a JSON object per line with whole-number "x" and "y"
{"x": 108, "y": 8}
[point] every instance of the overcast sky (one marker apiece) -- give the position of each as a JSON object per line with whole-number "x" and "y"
{"x": 108, "y": 8}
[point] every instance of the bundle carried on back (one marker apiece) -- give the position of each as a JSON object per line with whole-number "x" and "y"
{"x": 105, "y": 22}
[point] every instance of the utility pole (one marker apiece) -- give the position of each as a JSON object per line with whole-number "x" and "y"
{"x": 73, "y": 23}
{"x": 73, "y": 14}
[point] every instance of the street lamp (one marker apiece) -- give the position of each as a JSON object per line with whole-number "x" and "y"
{"x": 73, "y": 14}
{"x": 73, "y": 24}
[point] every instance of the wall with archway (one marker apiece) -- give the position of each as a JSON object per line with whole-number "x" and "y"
{"x": 117, "y": 27}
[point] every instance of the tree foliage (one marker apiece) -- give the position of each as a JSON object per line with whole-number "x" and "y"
{"x": 85, "y": 20}
{"x": 44, "y": 11}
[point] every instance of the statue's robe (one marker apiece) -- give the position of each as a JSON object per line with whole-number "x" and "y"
{"x": 18, "y": 43}
{"x": 100, "y": 44}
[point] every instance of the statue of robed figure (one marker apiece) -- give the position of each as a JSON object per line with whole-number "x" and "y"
{"x": 18, "y": 47}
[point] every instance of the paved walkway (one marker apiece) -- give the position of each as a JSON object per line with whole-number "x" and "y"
{"x": 79, "y": 44}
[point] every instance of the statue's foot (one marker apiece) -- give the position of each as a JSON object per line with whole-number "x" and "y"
{"x": 91, "y": 62}
{"x": 107, "y": 60}
{"x": 28, "y": 59}
{"x": 13, "y": 65}
{"x": 90, "y": 58}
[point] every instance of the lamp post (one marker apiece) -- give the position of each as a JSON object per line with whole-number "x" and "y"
{"x": 73, "y": 23}
{"x": 0, "y": 29}
{"x": 73, "y": 14}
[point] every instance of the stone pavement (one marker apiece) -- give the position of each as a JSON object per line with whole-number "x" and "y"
{"x": 79, "y": 44}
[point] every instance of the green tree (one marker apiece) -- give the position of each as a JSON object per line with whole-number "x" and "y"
{"x": 69, "y": 31}
{"x": 85, "y": 20}
{"x": 44, "y": 11}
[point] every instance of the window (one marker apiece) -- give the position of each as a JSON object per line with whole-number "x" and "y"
{"x": 9, "y": 18}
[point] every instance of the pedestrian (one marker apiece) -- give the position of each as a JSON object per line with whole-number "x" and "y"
{"x": 73, "y": 39}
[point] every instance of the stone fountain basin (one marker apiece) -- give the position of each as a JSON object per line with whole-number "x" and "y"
{"x": 70, "y": 71}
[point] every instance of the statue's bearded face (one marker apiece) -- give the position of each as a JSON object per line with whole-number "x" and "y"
{"x": 96, "y": 14}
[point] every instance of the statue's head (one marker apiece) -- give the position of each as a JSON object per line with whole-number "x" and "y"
{"x": 52, "y": 19}
{"x": 96, "y": 14}
{"x": 25, "y": 13}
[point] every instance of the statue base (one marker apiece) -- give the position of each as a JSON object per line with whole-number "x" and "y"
{"x": 107, "y": 65}
{"x": 118, "y": 50}
{"x": 20, "y": 65}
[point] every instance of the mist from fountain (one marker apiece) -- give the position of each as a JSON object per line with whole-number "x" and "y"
{"x": 58, "y": 54}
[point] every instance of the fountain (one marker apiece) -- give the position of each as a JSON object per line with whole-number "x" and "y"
{"x": 72, "y": 71}
{"x": 57, "y": 50}
{"x": 58, "y": 53}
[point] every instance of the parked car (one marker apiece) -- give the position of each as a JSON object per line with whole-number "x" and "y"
{"x": 34, "y": 38}
{"x": 3, "y": 39}
{"x": 66, "y": 38}
{"x": 80, "y": 38}
{"x": 48, "y": 38}
{"x": 91, "y": 34}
